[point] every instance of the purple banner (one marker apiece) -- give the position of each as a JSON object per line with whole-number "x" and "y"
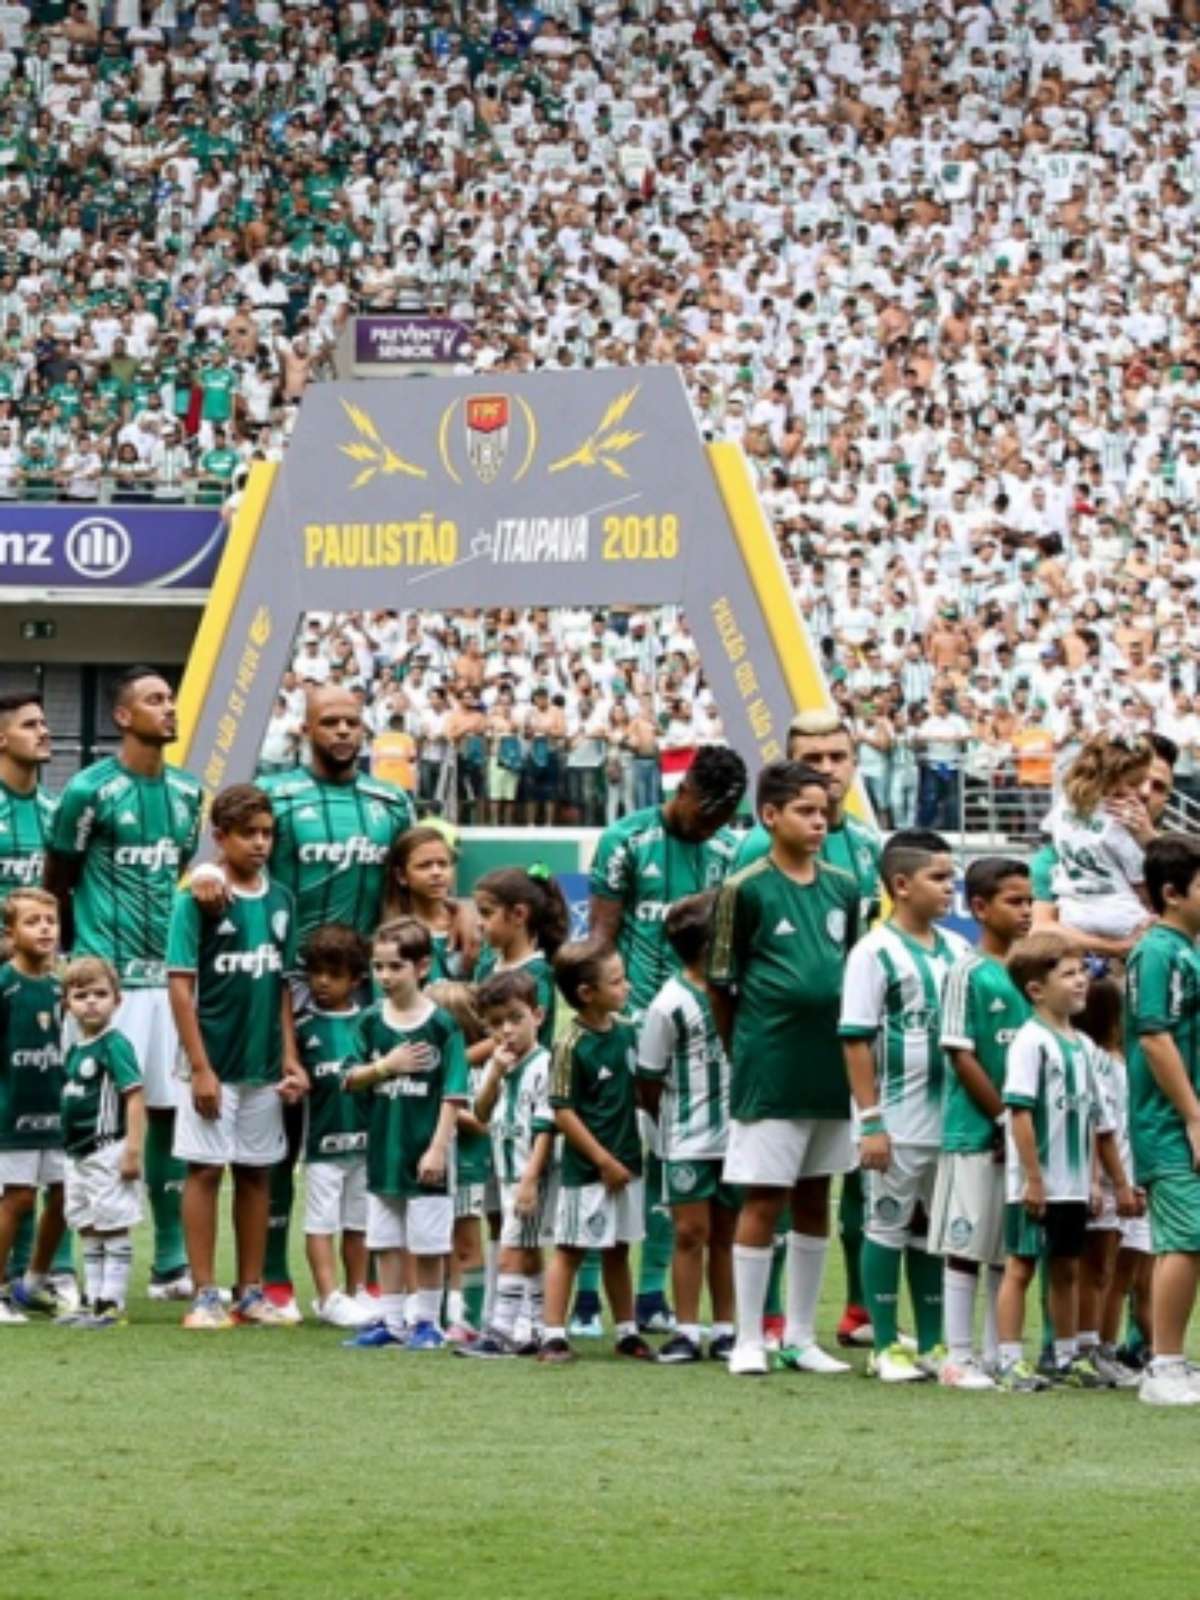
{"x": 405, "y": 341}
{"x": 109, "y": 547}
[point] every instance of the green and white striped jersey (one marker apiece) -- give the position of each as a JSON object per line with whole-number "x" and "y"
{"x": 522, "y": 1111}
{"x": 1057, "y": 1077}
{"x": 680, "y": 1047}
{"x": 892, "y": 996}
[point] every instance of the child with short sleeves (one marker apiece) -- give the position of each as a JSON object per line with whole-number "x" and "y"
{"x": 104, "y": 1129}
{"x": 891, "y": 1032}
{"x": 1098, "y": 878}
{"x": 472, "y": 1171}
{"x": 1056, "y": 1107}
{"x": 410, "y": 1061}
{"x": 336, "y": 960}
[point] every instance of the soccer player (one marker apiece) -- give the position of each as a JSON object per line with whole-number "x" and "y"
{"x": 233, "y": 1009}
{"x": 104, "y": 1129}
{"x": 513, "y": 1103}
{"x": 592, "y": 1092}
{"x": 1162, "y": 1048}
{"x": 821, "y": 740}
{"x": 30, "y": 1086}
{"x": 890, "y": 1027}
{"x": 335, "y": 960}
{"x": 981, "y": 1011}
{"x": 409, "y": 1057}
{"x": 777, "y": 964}
{"x": 125, "y": 829}
{"x": 643, "y": 864}
{"x": 334, "y": 827}
{"x": 684, "y": 1070}
{"x": 1054, "y": 1097}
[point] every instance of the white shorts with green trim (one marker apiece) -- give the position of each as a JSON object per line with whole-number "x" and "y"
{"x": 594, "y": 1218}
{"x": 966, "y": 1218}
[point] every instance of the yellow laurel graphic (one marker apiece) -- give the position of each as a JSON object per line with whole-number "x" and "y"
{"x": 371, "y": 452}
{"x": 260, "y": 626}
{"x": 605, "y": 443}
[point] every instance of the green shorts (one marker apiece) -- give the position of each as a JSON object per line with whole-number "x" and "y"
{"x": 1174, "y": 1205}
{"x": 685, "y": 1182}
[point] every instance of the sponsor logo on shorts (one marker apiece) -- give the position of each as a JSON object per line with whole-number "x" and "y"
{"x": 887, "y": 1208}
{"x": 596, "y": 1224}
{"x": 960, "y": 1232}
{"x": 684, "y": 1177}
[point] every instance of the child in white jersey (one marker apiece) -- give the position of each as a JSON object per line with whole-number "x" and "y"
{"x": 1055, "y": 1103}
{"x": 1098, "y": 880}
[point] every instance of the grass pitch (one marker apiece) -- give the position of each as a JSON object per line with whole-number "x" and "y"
{"x": 274, "y": 1464}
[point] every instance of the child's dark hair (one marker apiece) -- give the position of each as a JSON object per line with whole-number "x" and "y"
{"x": 1172, "y": 861}
{"x": 412, "y": 939}
{"x": 688, "y": 925}
{"x": 908, "y": 851}
{"x": 578, "y": 966}
{"x": 336, "y": 947}
{"x": 86, "y": 971}
{"x": 398, "y": 899}
{"x": 781, "y": 781}
{"x": 987, "y": 876}
{"x": 717, "y": 778}
{"x": 514, "y": 984}
{"x": 1101, "y": 1018}
{"x": 549, "y": 919}
{"x": 461, "y": 1000}
{"x": 237, "y": 806}
{"x": 1035, "y": 958}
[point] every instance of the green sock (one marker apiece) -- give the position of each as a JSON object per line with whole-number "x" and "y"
{"x": 283, "y": 1191}
{"x": 659, "y": 1243}
{"x": 774, "y": 1301}
{"x": 925, "y": 1288}
{"x": 164, "y": 1186}
{"x": 22, "y": 1247}
{"x": 850, "y": 1227}
{"x": 474, "y": 1285}
{"x": 881, "y": 1285}
{"x": 63, "y": 1259}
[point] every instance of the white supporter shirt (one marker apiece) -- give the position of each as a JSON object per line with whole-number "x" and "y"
{"x": 1099, "y": 868}
{"x": 1057, "y": 1078}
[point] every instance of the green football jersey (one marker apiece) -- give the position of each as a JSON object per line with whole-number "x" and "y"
{"x": 335, "y": 1121}
{"x": 133, "y": 837}
{"x": 404, "y": 1111}
{"x": 25, "y": 821}
{"x": 1162, "y": 996}
{"x": 1041, "y": 872}
{"x": 31, "y": 1075}
{"x": 593, "y": 1075}
{"x": 542, "y": 973}
{"x": 522, "y": 1112}
{"x": 331, "y": 842}
{"x": 472, "y": 1151}
{"x": 99, "y": 1074}
{"x": 241, "y": 959}
{"x": 982, "y": 1008}
{"x": 645, "y": 868}
{"x": 852, "y": 846}
{"x": 782, "y": 945}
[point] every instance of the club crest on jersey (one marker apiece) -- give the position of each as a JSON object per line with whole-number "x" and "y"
{"x": 835, "y": 925}
{"x": 87, "y": 1067}
{"x": 44, "y": 1019}
{"x": 279, "y": 925}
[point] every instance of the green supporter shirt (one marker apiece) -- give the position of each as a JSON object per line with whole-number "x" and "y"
{"x": 100, "y": 1074}
{"x": 542, "y": 973}
{"x": 31, "y": 1076}
{"x": 1041, "y": 872}
{"x": 645, "y": 868}
{"x": 982, "y": 1009}
{"x": 404, "y": 1111}
{"x": 218, "y": 385}
{"x": 335, "y": 1121}
{"x": 25, "y": 821}
{"x": 852, "y": 846}
{"x": 782, "y": 946}
{"x": 241, "y": 960}
{"x": 593, "y": 1075}
{"x": 133, "y": 837}
{"x": 1162, "y": 996}
{"x": 331, "y": 843}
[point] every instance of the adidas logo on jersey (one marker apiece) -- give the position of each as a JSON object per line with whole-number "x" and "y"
{"x": 784, "y": 926}
{"x": 651, "y": 871}
{"x": 127, "y": 819}
{"x": 603, "y": 1075}
{"x": 227, "y": 926}
{"x": 307, "y": 814}
{"x": 997, "y": 1005}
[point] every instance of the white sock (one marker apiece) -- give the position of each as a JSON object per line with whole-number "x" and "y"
{"x": 412, "y": 1308}
{"x": 958, "y": 1303}
{"x": 429, "y": 1305}
{"x": 690, "y": 1330}
{"x": 454, "y": 1306}
{"x": 751, "y": 1279}
{"x": 555, "y": 1333}
{"x": 991, "y": 1339}
{"x": 491, "y": 1271}
{"x": 118, "y": 1264}
{"x": 721, "y": 1330}
{"x": 1088, "y": 1341}
{"x": 1064, "y": 1352}
{"x": 535, "y": 1302}
{"x": 510, "y": 1296}
{"x": 1011, "y": 1353}
{"x": 805, "y": 1269}
{"x": 623, "y": 1330}
{"x": 93, "y": 1270}
{"x": 392, "y": 1308}
{"x": 1165, "y": 1363}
